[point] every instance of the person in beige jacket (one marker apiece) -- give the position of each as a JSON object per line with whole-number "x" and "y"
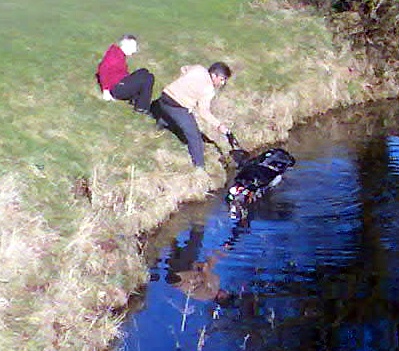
{"x": 190, "y": 96}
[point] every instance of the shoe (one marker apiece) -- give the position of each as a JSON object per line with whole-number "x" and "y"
{"x": 143, "y": 111}
{"x": 161, "y": 124}
{"x": 159, "y": 127}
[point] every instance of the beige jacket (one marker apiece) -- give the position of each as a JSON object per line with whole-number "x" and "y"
{"x": 194, "y": 90}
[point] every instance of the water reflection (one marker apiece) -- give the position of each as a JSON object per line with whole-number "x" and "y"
{"x": 314, "y": 268}
{"x": 393, "y": 154}
{"x": 182, "y": 257}
{"x": 193, "y": 277}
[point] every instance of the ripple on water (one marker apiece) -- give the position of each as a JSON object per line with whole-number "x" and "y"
{"x": 315, "y": 269}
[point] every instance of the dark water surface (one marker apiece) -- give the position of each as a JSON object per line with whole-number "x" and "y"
{"x": 315, "y": 269}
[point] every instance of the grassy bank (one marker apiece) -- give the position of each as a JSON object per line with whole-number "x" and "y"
{"x": 83, "y": 180}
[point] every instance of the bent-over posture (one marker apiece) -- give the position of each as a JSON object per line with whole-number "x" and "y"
{"x": 189, "y": 96}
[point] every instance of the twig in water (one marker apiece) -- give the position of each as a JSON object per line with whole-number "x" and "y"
{"x": 177, "y": 344}
{"x": 186, "y": 311}
{"x": 201, "y": 340}
{"x": 189, "y": 310}
{"x": 216, "y": 312}
{"x": 241, "y": 292}
{"x": 271, "y": 317}
{"x": 244, "y": 344}
{"x": 136, "y": 329}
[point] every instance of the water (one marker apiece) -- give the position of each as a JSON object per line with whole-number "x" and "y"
{"x": 315, "y": 269}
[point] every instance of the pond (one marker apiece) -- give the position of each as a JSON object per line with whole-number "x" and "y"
{"x": 316, "y": 268}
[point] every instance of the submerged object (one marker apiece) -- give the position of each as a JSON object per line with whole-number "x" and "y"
{"x": 255, "y": 177}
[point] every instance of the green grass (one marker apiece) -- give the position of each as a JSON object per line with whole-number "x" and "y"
{"x": 51, "y": 113}
{"x": 56, "y": 128}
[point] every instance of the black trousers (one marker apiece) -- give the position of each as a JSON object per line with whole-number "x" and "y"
{"x": 137, "y": 88}
{"x": 187, "y": 125}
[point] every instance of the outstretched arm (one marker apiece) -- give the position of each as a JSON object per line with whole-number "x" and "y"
{"x": 204, "y": 112}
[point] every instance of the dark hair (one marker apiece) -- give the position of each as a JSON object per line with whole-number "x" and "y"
{"x": 127, "y": 37}
{"x": 220, "y": 69}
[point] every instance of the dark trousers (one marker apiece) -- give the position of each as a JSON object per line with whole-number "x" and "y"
{"x": 137, "y": 88}
{"x": 187, "y": 124}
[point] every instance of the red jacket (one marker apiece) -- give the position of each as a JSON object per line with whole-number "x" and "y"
{"x": 112, "y": 68}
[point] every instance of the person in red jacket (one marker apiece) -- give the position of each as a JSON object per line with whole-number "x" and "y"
{"x": 117, "y": 83}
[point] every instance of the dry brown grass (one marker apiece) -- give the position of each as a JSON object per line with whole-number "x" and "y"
{"x": 64, "y": 293}
{"x": 55, "y": 293}
{"x": 260, "y": 118}
{"x": 68, "y": 294}
{"x": 26, "y": 244}
{"x": 66, "y": 288}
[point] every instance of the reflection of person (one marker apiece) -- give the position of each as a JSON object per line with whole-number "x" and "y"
{"x": 192, "y": 93}
{"x": 115, "y": 80}
{"x": 183, "y": 258}
{"x": 200, "y": 283}
{"x": 188, "y": 274}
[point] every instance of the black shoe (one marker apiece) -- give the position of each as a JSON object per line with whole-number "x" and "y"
{"x": 159, "y": 127}
{"x": 161, "y": 124}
